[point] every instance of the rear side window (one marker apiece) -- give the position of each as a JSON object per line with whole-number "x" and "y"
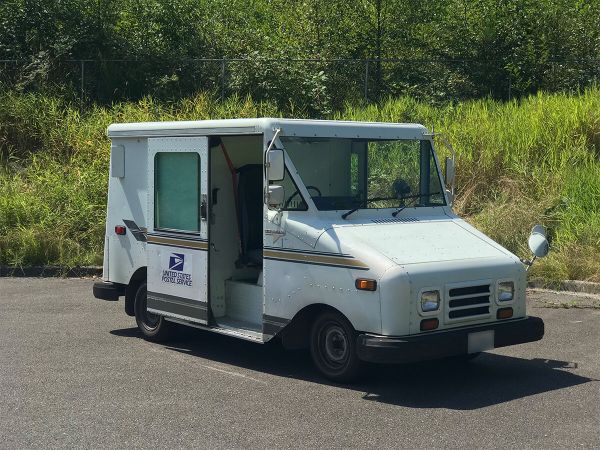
{"x": 177, "y": 191}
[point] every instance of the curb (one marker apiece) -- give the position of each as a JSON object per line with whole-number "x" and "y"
{"x": 50, "y": 271}
{"x": 584, "y": 287}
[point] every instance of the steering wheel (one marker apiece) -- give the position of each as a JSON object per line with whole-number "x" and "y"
{"x": 297, "y": 192}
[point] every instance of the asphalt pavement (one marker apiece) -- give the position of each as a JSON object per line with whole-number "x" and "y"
{"x": 75, "y": 372}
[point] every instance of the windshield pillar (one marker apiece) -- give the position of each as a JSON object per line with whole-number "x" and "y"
{"x": 425, "y": 175}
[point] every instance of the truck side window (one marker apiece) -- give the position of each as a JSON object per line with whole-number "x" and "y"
{"x": 294, "y": 201}
{"x": 177, "y": 191}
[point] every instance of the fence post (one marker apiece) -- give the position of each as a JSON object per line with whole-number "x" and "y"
{"x": 366, "y": 81}
{"x": 82, "y": 80}
{"x": 509, "y": 87}
{"x": 223, "y": 79}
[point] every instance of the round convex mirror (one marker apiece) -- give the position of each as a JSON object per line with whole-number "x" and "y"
{"x": 538, "y": 244}
{"x": 538, "y": 229}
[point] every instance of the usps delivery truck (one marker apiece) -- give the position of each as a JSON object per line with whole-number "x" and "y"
{"x": 329, "y": 235}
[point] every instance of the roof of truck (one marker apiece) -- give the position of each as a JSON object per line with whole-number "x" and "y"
{"x": 289, "y": 127}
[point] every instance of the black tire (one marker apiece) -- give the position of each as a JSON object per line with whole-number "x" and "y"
{"x": 333, "y": 347}
{"x": 152, "y": 326}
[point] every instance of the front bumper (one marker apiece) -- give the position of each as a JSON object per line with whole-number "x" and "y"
{"x": 445, "y": 343}
{"x": 105, "y": 290}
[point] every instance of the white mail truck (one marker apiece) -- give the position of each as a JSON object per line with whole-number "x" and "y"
{"x": 334, "y": 236}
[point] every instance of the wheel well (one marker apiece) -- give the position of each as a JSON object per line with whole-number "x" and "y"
{"x": 138, "y": 277}
{"x": 297, "y": 333}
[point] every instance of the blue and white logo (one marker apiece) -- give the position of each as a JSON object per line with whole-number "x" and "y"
{"x": 177, "y": 269}
{"x": 176, "y": 261}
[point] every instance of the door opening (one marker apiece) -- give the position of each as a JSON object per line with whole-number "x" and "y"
{"x": 236, "y": 237}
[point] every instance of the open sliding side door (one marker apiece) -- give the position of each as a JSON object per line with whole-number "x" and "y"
{"x": 177, "y": 247}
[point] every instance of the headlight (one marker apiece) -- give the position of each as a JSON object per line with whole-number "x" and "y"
{"x": 430, "y": 301}
{"x": 506, "y": 291}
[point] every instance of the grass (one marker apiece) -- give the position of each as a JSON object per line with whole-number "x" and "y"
{"x": 536, "y": 160}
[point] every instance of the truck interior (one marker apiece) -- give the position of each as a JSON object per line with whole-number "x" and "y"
{"x": 236, "y": 232}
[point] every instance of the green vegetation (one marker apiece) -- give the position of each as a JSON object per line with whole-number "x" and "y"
{"x": 533, "y": 159}
{"x": 519, "y": 163}
{"x": 447, "y": 49}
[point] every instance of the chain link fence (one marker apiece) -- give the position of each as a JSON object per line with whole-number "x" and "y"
{"x": 318, "y": 86}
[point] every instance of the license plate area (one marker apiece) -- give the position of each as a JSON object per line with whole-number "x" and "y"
{"x": 480, "y": 341}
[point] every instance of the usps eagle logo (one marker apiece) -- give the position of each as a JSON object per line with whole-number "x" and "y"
{"x": 176, "y": 261}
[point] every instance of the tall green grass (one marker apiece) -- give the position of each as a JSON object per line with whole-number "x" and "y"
{"x": 519, "y": 163}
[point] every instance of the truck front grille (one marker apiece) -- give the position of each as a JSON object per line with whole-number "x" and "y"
{"x": 468, "y": 302}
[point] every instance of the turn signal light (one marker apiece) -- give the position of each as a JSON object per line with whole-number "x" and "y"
{"x": 504, "y": 313}
{"x": 120, "y": 230}
{"x": 364, "y": 284}
{"x": 429, "y": 324}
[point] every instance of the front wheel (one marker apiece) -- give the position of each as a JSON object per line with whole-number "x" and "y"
{"x": 152, "y": 326}
{"x": 333, "y": 347}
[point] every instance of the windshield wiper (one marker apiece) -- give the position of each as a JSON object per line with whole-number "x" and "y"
{"x": 414, "y": 198}
{"x": 369, "y": 200}
{"x": 395, "y": 213}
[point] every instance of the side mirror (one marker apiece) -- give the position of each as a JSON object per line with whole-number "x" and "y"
{"x": 276, "y": 196}
{"x": 538, "y": 242}
{"x": 450, "y": 171}
{"x": 450, "y": 196}
{"x": 275, "y": 164}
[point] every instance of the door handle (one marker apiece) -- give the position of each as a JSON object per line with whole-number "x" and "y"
{"x": 204, "y": 208}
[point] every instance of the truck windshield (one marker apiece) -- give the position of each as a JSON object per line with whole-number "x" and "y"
{"x": 357, "y": 173}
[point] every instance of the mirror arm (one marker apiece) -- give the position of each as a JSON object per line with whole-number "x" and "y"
{"x": 528, "y": 262}
{"x": 271, "y": 145}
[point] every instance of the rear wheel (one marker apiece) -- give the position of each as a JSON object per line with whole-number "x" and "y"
{"x": 153, "y": 326}
{"x": 333, "y": 347}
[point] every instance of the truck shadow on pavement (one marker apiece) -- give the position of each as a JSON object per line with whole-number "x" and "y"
{"x": 488, "y": 380}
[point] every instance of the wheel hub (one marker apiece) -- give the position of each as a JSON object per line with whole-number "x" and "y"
{"x": 336, "y": 344}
